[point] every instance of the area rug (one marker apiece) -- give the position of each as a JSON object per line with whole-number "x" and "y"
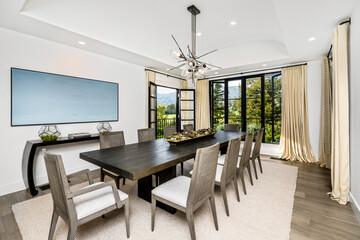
{"x": 264, "y": 213}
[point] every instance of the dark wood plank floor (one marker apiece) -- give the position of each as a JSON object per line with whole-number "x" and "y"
{"x": 315, "y": 216}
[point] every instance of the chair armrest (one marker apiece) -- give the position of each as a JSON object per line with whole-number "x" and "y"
{"x": 85, "y": 171}
{"x": 92, "y": 188}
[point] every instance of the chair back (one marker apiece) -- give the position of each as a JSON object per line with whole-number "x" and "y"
{"x": 246, "y": 152}
{"x": 59, "y": 186}
{"x": 258, "y": 141}
{"x": 203, "y": 176}
{"x": 146, "y": 134}
{"x": 232, "y": 128}
{"x": 188, "y": 127}
{"x": 169, "y": 130}
{"x": 112, "y": 139}
{"x": 231, "y": 160}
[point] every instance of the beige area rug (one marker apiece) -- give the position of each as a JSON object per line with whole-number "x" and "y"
{"x": 264, "y": 213}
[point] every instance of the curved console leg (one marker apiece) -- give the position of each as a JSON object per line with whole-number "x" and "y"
{"x": 28, "y": 166}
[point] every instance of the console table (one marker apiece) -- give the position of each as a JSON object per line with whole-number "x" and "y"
{"x": 29, "y": 154}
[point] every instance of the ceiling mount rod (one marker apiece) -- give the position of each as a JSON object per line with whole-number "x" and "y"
{"x": 194, "y": 11}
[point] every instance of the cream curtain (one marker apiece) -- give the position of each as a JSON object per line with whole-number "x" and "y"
{"x": 202, "y": 104}
{"x": 340, "y": 117}
{"x": 150, "y": 76}
{"x": 325, "y": 124}
{"x": 294, "y": 139}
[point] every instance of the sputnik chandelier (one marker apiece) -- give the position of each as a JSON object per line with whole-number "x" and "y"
{"x": 192, "y": 67}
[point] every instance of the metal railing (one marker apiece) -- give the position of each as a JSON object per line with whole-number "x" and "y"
{"x": 163, "y": 122}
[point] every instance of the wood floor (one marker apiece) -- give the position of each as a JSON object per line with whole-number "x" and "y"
{"x": 315, "y": 216}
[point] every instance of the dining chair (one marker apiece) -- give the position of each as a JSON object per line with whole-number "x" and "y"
{"x": 83, "y": 205}
{"x": 188, "y": 194}
{"x": 146, "y": 134}
{"x": 226, "y": 173}
{"x": 188, "y": 127}
{"x": 256, "y": 151}
{"x": 169, "y": 130}
{"x": 109, "y": 140}
{"x": 232, "y": 128}
{"x": 245, "y": 160}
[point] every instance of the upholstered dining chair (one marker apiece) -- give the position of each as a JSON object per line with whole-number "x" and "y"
{"x": 232, "y": 128}
{"x": 169, "y": 130}
{"x": 245, "y": 160}
{"x": 256, "y": 151}
{"x": 188, "y": 194}
{"x": 146, "y": 134}
{"x": 188, "y": 127}
{"x": 109, "y": 140}
{"x": 81, "y": 206}
{"x": 226, "y": 173}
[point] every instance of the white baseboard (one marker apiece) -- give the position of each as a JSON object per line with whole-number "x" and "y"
{"x": 40, "y": 180}
{"x": 355, "y": 206}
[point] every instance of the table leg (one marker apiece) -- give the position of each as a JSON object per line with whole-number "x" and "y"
{"x": 145, "y": 187}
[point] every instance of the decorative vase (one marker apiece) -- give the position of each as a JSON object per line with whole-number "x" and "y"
{"x": 104, "y": 127}
{"x": 49, "y": 133}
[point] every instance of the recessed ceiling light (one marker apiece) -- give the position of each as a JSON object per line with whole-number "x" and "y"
{"x": 198, "y": 34}
{"x": 264, "y": 65}
{"x": 311, "y": 39}
{"x": 233, "y": 23}
{"x": 167, "y": 69}
{"x": 216, "y": 72}
{"x": 81, "y": 42}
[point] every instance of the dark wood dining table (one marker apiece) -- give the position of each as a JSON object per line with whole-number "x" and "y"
{"x": 139, "y": 161}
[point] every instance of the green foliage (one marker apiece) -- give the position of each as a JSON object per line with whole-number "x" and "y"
{"x": 161, "y": 111}
{"x": 170, "y": 109}
{"x": 47, "y": 138}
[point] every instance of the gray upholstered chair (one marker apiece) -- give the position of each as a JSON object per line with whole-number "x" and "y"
{"x": 146, "y": 134}
{"x": 226, "y": 173}
{"x": 245, "y": 160}
{"x": 232, "y": 128}
{"x": 256, "y": 151}
{"x": 188, "y": 127}
{"x": 169, "y": 130}
{"x": 109, "y": 140}
{"x": 187, "y": 194}
{"x": 81, "y": 206}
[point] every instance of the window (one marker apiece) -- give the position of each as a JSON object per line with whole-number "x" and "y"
{"x": 253, "y": 102}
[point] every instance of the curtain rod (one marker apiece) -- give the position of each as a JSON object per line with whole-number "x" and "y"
{"x": 344, "y": 22}
{"x": 165, "y": 74}
{"x": 252, "y": 71}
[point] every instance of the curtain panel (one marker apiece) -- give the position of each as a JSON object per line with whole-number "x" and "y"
{"x": 340, "y": 116}
{"x": 202, "y": 111}
{"x": 294, "y": 138}
{"x": 325, "y": 122}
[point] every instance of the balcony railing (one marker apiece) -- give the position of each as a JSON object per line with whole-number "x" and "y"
{"x": 163, "y": 122}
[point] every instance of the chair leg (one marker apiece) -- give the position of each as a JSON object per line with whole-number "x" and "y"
{"x": 236, "y": 189}
{"x": 260, "y": 164}
{"x": 241, "y": 173}
{"x": 127, "y": 210}
{"x": 153, "y": 208}
{"x": 54, "y": 219}
{"x": 254, "y": 165}
{"x": 250, "y": 176}
{"x": 213, "y": 210}
{"x": 190, "y": 220}
{"x": 223, "y": 192}
{"x": 102, "y": 175}
{"x": 72, "y": 232}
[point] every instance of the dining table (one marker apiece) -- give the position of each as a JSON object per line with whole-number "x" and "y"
{"x": 140, "y": 161}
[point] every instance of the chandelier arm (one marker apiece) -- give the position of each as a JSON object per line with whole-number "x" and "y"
{"x": 179, "y": 66}
{"x": 179, "y": 47}
{"x": 191, "y": 53}
{"x": 211, "y": 65}
{"x": 207, "y": 53}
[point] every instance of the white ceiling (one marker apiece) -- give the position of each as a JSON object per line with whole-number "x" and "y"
{"x": 268, "y": 32}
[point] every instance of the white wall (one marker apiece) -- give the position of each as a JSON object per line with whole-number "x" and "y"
{"x": 24, "y": 51}
{"x": 354, "y": 85}
{"x": 314, "y": 69}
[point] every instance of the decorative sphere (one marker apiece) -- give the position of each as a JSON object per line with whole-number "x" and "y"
{"x": 104, "y": 127}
